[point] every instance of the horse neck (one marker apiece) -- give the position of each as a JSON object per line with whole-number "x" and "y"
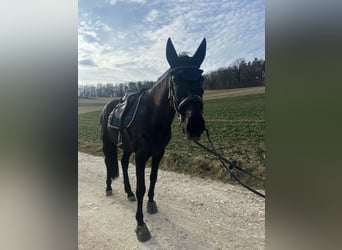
{"x": 159, "y": 94}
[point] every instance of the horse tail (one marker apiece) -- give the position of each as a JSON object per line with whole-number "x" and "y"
{"x": 109, "y": 149}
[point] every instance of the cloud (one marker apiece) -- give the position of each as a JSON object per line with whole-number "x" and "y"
{"x": 113, "y": 2}
{"x": 133, "y": 47}
{"x": 87, "y": 62}
{"x": 152, "y": 15}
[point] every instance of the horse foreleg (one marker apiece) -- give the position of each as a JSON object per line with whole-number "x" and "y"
{"x": 124, "y": 164}
{"x": 142, "y": 231}
{"x": 151, "y": 204}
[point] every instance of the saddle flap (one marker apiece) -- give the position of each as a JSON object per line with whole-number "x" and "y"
{"x": 123, "y": 113}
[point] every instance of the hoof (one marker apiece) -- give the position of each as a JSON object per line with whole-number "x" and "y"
{"x": 143, "y": 233}
{"x": 152, "y": 207}
{"x": 109, "y": 192}
{"x": 131, "y": 198}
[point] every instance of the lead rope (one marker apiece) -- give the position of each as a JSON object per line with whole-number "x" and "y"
{"x": 232, "y": 165}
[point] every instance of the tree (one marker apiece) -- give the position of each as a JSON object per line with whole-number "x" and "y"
{"x": 239, "y": 74}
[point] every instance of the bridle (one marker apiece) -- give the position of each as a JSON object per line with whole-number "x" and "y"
{"x": 180, "y": 104}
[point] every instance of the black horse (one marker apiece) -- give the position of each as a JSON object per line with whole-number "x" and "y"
{"x": 179, "y": 90}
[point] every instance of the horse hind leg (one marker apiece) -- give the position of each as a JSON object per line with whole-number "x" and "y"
{"x": 151, "y": 204}
{"x": 124, "y": 165}
{"x": 111, "y": 161}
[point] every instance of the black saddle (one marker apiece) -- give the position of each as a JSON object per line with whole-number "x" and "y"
{"x": 123, "y": 114}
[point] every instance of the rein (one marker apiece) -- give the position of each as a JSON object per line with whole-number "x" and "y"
{"x": 232, "y": 165}
{"x": 178, "y": 105}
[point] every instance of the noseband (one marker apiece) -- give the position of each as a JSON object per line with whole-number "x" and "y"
{"x": 180, "y": 104}
{"x": 190, "y": 98}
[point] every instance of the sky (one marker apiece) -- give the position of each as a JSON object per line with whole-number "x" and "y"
{"x": 125, "y": 40}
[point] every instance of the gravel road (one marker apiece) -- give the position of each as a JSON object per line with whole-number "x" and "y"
{"x": 193, "y": 213}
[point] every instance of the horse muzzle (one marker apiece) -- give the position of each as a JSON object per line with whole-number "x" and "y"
{"x": 193, "y": 123}
{"x": 194, "y": 127}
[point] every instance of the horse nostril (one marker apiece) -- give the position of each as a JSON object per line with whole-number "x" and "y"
{"x": 196, "y": 125}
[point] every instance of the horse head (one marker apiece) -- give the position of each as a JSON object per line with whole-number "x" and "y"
{"x": 186, "y": 88}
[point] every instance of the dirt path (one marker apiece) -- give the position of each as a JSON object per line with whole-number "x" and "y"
{"x": 193, "y": 213}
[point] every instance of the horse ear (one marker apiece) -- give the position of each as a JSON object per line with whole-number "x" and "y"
{"x": 171, "y": 54}
{"x": 199, "y": 55}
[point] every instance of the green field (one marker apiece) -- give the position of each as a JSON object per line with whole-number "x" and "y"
{"x": 236, "y": 123}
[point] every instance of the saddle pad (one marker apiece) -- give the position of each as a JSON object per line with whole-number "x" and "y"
{"x": 123, "y": 114}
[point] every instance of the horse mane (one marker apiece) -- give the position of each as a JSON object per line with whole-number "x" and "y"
{"x": 183, "y": 54}
{"x": 163, "y": 76}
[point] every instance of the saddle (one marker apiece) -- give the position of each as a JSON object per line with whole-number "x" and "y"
{"x": 122, "y": 116}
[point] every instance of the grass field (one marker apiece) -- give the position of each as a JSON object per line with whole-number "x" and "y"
{"x": 236, "y": 123}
